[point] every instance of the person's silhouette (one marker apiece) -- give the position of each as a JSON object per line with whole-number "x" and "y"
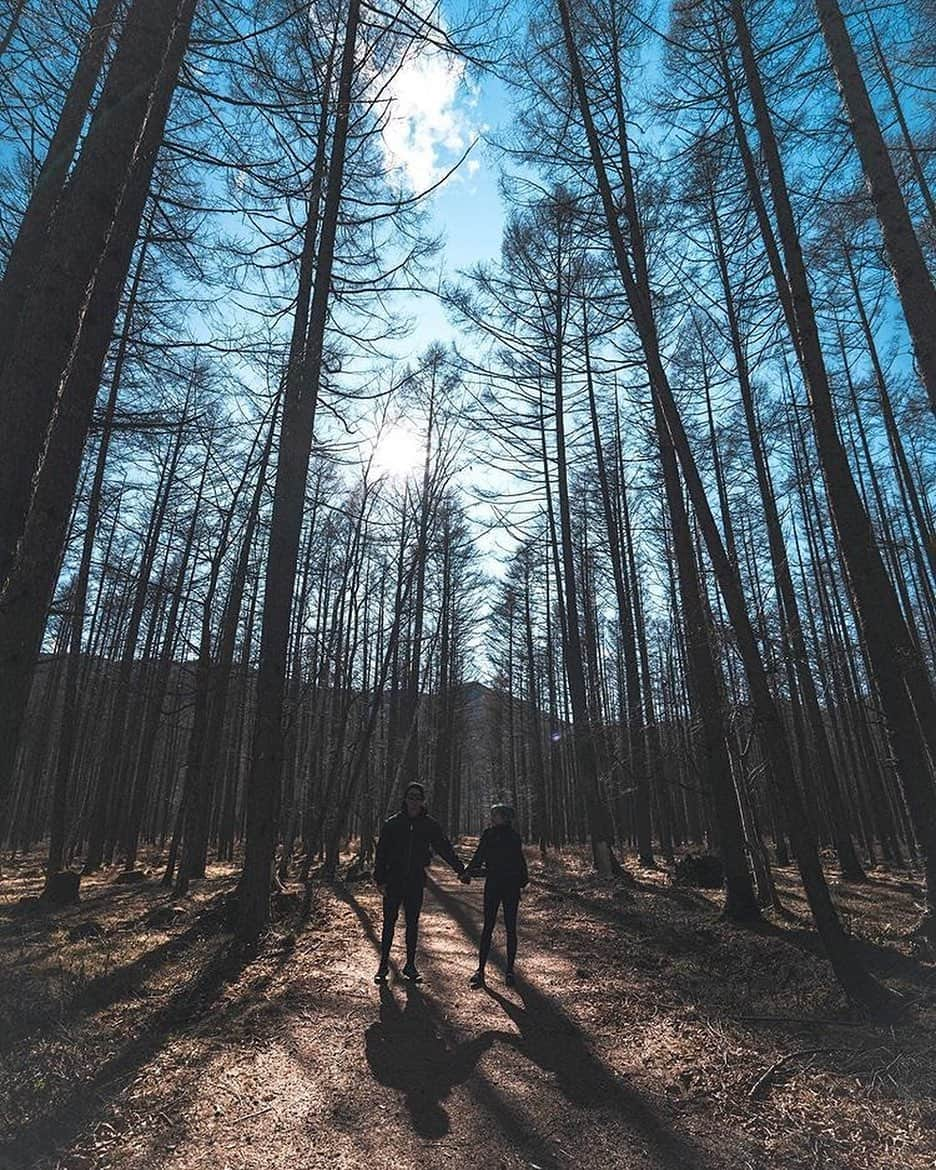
{"x": 499, "y": 857}
{"x": 405, "y": 847}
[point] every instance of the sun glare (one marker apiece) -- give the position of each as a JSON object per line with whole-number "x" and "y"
{"x": 398, "y": 453}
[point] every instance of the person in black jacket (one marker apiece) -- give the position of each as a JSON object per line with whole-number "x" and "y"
{"x": 500, "y": 857}
{"x": 405, "y": 848}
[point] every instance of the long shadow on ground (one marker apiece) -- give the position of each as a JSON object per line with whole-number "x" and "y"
{"x": 517, "y": 1127}
{"x": 406, "y": 1051}
{"x": 681, "y": 939}
{"x": 553, "y": 1041}
{"x": 59, "y": 1123}
{"x": 62, "y": 1121}
{"x": 123, "y": 981}
{"x": 883, "y": 960}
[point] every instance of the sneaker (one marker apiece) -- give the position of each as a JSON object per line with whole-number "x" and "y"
{"x": 410, "y": 973}
{"x": 477, "y": 980}
{"x": 382, "y": 972}
{"x": 509, "y": 979}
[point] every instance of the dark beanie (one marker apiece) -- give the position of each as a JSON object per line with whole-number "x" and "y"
{"x": 415, "y": 784}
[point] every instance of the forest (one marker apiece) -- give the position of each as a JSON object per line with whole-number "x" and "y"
{"x": 526, "y": 405}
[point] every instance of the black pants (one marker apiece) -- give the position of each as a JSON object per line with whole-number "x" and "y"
{"x": 410, "y": 897}
{"x": 497, "y": 894}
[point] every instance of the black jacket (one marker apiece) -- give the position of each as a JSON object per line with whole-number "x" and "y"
{"x": 500, "y": 856}
{"x": 406, "y": 846}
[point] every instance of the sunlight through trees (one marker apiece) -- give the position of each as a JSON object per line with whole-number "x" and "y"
{"x": 644, "y": 545}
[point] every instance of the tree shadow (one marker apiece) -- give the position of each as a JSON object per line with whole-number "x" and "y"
{"x": 63, "y": 1120}
{"x": 682, "y": 939}
{"x": 674, "y": 939}
{"x": 203, "y": 1001}
{"x": 343, "y": 894}
{"x": 123, "y": 981}
{"x": 40, "y": 918}
{"x": 406, "y": 1051}
{"x": 686, "y": 897}
{"x": 743, "y": 976}
{"x": 884, "y": 961}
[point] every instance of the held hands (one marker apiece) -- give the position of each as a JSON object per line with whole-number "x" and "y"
{"x": 465, "y": 877}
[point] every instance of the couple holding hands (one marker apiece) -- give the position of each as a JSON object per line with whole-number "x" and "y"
{"x": 407, "y": 842}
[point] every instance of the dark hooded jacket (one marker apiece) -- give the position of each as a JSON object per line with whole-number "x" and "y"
{"x": 406, "y": 846}
{"x": 499, "y": 857}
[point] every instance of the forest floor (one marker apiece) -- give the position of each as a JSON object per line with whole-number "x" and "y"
{"x": 643, "y": 1034}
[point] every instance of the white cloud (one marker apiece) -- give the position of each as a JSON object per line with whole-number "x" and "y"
{"x": 429, "y": 119}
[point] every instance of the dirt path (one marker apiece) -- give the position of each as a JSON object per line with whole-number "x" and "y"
{"x": 431, "y": 1075}
{"x": 633, "y": 1040}
{"x": 501, "y": 1076}
{"x": 439, "y": 1074}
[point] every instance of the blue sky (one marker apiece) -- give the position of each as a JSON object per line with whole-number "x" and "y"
{"x": 439, "y": 111}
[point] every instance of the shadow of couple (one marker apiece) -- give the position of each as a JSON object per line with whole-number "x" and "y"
{"x": 411, "y": 1050}
{"x": 407, "y": 1050}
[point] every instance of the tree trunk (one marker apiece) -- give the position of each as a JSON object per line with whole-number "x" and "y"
{"x": 853, "y": 976}
{"x": 26, "y": 255}
{"x": 849, "y": 864}
{"x": 300, "y": 400}
{"x": 69, "y": 723}
{"x": 88, "y": 248}
{"x": 115, "y": 750}
{"x": 907, "y": 263}
{"x": 66, "y": 325}
{"x": 636, "y": 733}
{"x": 16, "y": 15}
{"x": 900, "y": 675}
{"x": 583, "y": 734}
{"x": 139, "y": 777}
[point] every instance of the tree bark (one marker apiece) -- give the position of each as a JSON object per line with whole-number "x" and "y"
{"x": 583, "y": 733}
{"x": 849, "y": 863}
{"x": 115, "y": 752}
{"x": 901, "y": 677}
{"x": 49, "y": 382}
{"x": 69, "y": 723}
{"x": 88, "y": 250}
